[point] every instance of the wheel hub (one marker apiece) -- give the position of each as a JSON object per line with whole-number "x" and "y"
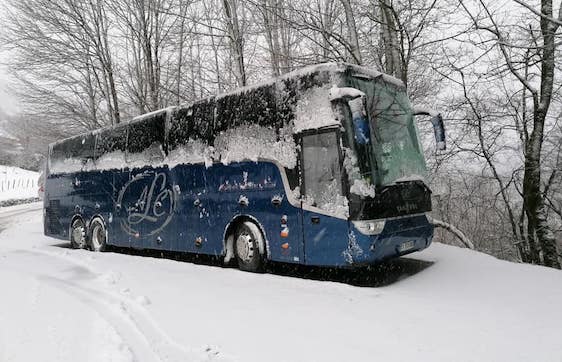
{"x": 79, "y": 235}
{"x": 98, "y": 236}
{"x": 245, "y": 247}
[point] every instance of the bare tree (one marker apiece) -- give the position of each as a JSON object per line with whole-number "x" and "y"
{"x": 64, "y": 44}
{"x": 146, "y": 26}
{"x": 230, "y": 8}
{"x": 542, "y": 45}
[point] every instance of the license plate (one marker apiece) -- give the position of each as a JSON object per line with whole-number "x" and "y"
{"x": 405, "y": 246}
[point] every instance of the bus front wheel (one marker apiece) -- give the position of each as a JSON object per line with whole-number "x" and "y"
{"x": 78, "y": 234}
{"x": 246, "y": 245}
{"x": 98, "y": 235}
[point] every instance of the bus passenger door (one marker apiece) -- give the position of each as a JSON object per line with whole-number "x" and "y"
{"x": 324, "y": 206}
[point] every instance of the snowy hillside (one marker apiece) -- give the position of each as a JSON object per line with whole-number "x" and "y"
{"x": 444, "y": 304}
{"x": 17, "y": 183}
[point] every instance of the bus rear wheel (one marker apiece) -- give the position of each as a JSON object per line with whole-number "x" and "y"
{"x": 246, "y": 245}
{"x": 78, "y": 234}
{"x": 98, "y": 235}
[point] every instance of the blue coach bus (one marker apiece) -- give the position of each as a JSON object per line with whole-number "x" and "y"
{"x": 322, "y": 166}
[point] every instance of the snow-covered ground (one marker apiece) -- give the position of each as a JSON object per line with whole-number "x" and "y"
{"x": 17, "y": 183}
{"x": 444, "y": 304}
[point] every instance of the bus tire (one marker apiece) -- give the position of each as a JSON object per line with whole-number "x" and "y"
{"x": 98, "y": 235}
{"x": 78, "y": 234}
{"x": 246, "y": 247}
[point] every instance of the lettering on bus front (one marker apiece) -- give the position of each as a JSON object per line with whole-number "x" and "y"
{"x": 148, "y": 202}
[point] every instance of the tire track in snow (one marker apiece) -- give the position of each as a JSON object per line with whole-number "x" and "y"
{"x": 131, "y": 321}
{"x": 143, "y": 341}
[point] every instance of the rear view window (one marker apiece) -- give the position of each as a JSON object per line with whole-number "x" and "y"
{"x": 73, "y": 154}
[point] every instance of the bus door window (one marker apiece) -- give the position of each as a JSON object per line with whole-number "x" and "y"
{"x": 321, "y": 169}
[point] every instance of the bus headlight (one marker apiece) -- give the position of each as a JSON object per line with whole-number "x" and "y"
{"x": 369, "y": 227}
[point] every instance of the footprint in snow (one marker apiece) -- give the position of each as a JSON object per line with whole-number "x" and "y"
{"x": 110, "y": 277}
{"x": 143, "y": 300}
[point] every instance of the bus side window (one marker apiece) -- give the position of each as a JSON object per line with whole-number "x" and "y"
{"x": 181, "y": 128}
{"x": 145, "y": 141}
{"x": 110, "y": 146}
{"x": 86, "y": 150}
{"x": 321, "y": 169}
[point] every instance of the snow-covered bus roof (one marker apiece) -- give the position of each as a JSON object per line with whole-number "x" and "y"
{"x": 249, "y": 123}
{"x": 152, "y": 114}
{"x": 332, "y": 67}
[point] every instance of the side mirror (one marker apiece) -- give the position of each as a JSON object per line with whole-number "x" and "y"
{"x": 355, "y": 100}
{"x": 437, "y": 123}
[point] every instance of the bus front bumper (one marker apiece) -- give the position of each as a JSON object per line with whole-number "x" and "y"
{"x": 400, "y": 236}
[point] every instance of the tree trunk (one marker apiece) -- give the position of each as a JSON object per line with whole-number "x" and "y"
{"x": 271, "y": 35}
{"x": 392, "y": 63}
{"x": 284, "y": 32}
{"x": 354, "y": 50}
{"x": 180, "y": 59}
{"x": 533, "y": 197}
{"x": 236, "y": 41}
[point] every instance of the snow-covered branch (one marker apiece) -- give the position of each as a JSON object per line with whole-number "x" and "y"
{"x": 452, "y": 229}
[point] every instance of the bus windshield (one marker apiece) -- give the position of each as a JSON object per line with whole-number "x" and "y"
{"x": 394, "y": 152}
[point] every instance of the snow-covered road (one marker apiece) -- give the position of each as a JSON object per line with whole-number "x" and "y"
{"x": 8, "y": 214}
{"x": 444, "y": 304}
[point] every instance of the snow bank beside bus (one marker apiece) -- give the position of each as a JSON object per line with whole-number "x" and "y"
{"x": 17, "y": 183}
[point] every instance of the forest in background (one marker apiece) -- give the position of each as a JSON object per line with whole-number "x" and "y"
{"x": 491, "y": 67}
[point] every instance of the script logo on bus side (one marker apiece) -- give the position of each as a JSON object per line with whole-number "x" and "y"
{"x": 146, "y": 200}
